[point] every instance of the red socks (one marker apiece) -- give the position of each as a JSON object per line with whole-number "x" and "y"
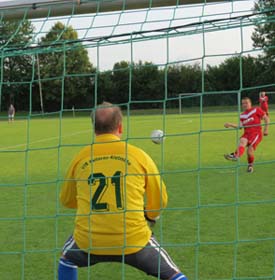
{"x": 250, "y": 160}
{"x": 240, "y": 151}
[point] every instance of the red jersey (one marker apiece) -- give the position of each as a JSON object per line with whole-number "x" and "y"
{"x": 251, "y": 120}
{"x": 264, "y": 102}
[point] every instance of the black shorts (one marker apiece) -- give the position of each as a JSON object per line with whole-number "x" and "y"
{"x": 152, "y": 259}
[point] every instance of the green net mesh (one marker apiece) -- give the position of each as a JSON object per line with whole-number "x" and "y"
{"x": 153, "y": 61}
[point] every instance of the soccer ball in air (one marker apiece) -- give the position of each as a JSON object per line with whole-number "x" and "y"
{"x": 157, "y": 136}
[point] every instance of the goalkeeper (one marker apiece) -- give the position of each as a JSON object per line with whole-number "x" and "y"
{"x": 106, "y": 184}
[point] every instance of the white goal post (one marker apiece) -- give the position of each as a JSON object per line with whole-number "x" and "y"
{"x": 183, "y": 96}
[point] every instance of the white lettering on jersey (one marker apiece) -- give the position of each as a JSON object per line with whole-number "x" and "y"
{"x": 247, "y": 121}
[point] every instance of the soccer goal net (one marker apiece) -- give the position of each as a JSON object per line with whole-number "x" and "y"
{"x": 155, "y": 59}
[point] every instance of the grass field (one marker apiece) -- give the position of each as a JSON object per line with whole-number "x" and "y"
{"x": 220, "y": 223}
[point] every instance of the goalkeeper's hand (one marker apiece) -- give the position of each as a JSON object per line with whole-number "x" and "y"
{"x": 151, "y": 222}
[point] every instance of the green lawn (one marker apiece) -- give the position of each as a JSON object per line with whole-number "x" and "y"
{"x": 220, "y": 223}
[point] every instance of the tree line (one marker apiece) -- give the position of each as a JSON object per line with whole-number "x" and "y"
{"x": 68, "y": 79}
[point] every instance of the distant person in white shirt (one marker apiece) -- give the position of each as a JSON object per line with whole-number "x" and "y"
{"x": 11, "y": 113}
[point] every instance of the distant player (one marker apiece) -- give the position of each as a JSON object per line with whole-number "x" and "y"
{"x": 263, "y": 100}
{"x": 250, "y": 120}
{"x": 11, "y": 113}
{"x": 106, "y": 184}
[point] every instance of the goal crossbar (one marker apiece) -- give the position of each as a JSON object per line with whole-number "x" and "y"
{"x": 32, "y": 9}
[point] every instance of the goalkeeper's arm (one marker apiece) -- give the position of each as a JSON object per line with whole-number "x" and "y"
{"x": 156, "y": 195}
{"x": 151, "y": 222}
{"x": 68, "y": 192}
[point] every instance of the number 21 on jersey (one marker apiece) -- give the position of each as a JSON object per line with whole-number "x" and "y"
{"x": 101, "y": 183}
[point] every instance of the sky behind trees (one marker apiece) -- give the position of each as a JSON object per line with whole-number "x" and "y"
{"x": 219, "y": 45}
{"x": 139, "y": 69}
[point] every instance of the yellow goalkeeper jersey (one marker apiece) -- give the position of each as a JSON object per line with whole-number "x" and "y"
{"x": 108, "y": 183}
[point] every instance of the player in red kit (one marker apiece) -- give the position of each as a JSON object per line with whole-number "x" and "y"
{"x": 264, "y": 102}
{"x": 250, "y": 120}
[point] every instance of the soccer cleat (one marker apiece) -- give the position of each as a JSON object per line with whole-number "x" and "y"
{"x": 231, "y": 157}
{"x": 250, "y": 169}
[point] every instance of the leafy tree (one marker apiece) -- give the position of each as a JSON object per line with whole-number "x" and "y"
{"x": 147, "y": 84}
{"x": 17, "y": 68}
{"x": 234, "y": 74}
{"x": 140, "y": 81}
{"x": 105, "y": 88}
{"x": 71, "y": 65}
{"x": 184, "y": 79}
{"x": 121, "y": 82}
{"x": 264, "y": 34}
{"x": 225, "y": 76}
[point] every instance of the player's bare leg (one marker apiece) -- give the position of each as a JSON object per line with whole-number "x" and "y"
{"x": 239, "y": 152}
{"x": 11, "y": 118}
{"x": 250, "y": 159}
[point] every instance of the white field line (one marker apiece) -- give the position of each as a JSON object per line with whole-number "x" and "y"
{"x": 45, "y": 140}
{"x": 188, "y": 121}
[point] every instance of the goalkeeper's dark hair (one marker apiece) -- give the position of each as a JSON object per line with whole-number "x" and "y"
{"x": 106, "y": 118}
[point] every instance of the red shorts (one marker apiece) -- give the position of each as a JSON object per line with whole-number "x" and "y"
{"x": 253, "y": 139}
